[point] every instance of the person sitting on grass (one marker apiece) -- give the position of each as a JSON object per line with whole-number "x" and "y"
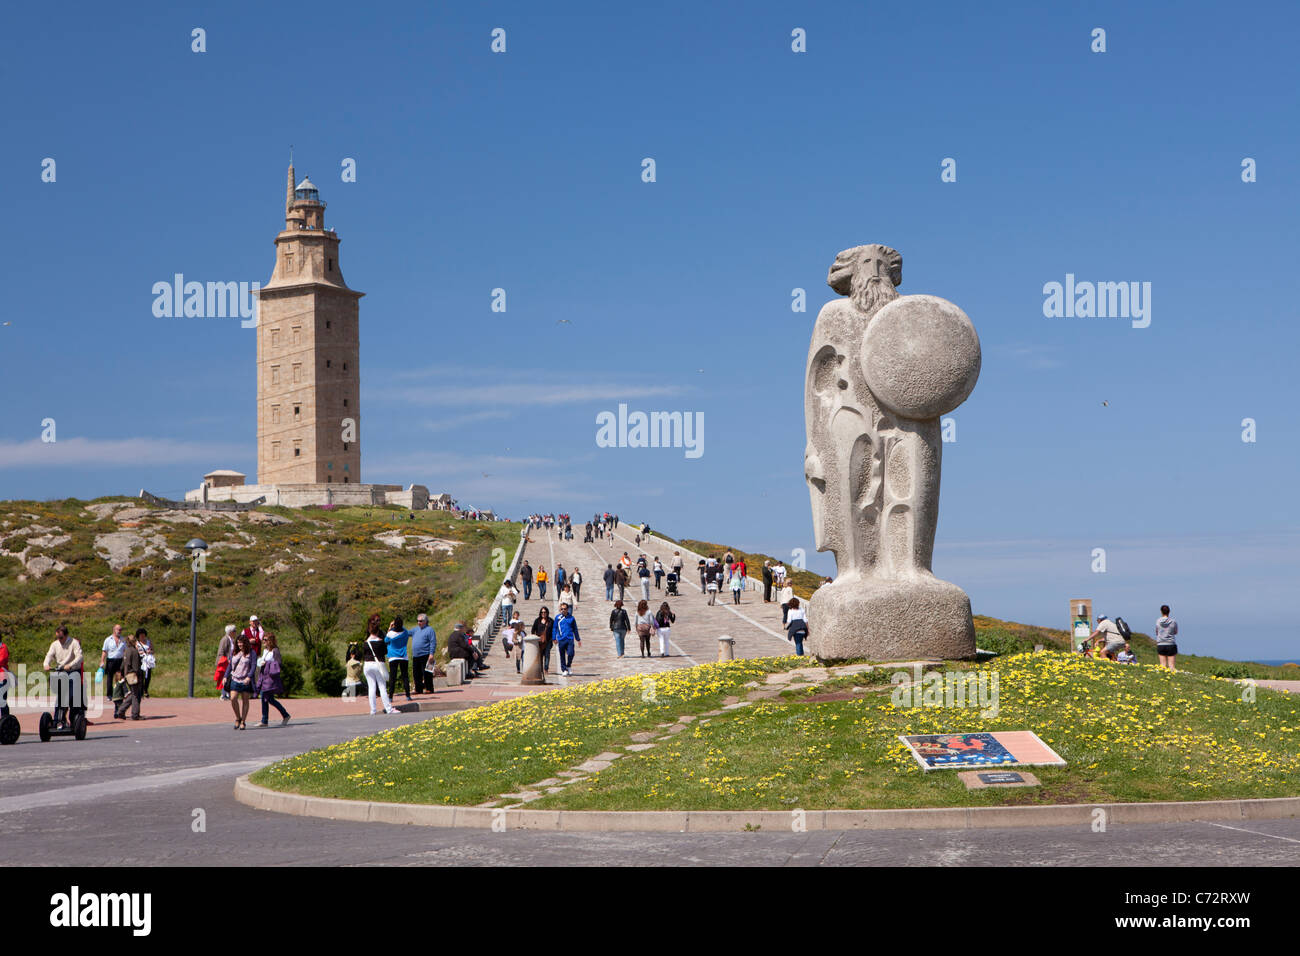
{"x": 1108, "y": 638}
{"x": 1126, "y": 656}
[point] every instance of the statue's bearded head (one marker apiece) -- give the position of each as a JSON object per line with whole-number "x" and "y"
{"x": 868, "y": 275}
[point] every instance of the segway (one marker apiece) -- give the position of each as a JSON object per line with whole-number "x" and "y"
{"x": 76, "y": 720}
{"x": 77, "y": 727}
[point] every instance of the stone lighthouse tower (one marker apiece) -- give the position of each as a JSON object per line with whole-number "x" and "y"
{"x": 308, "y": 344}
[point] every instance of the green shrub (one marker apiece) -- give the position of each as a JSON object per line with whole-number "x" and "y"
{"x": 1003, "y": 642}
{"x": 291, "y": 673}
{"x": 1231, "y": 670}
{"x": 327, "y": 671}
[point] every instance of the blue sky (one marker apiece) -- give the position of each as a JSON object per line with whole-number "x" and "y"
{"x": 522, "y": 171}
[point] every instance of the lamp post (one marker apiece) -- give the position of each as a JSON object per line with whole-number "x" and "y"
{"x": 197, "y": 548}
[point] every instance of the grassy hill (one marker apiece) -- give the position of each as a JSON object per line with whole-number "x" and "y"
{"x": 92, "y": 564}
{"x": 1008, "y": 637}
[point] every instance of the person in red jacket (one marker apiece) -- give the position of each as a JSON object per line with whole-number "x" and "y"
{"x": 4, "y": 679}
{"x": 255, "y": 632}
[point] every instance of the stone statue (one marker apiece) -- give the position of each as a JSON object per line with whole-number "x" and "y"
{"x": 882, "y": 368}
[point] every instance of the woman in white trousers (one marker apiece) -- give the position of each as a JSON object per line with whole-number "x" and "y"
{"x": 664, "y": 623}
{"x": 374, "y": 653}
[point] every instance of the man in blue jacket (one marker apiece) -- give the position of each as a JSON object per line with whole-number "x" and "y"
{"x": 424, "y": 642}
{"x": 566, "y": 635}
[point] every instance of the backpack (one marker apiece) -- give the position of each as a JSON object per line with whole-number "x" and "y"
{"x": 1125, "y": 631}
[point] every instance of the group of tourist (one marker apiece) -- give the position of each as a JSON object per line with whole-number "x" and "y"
{"x": 1110, "y": 642}
{"x": 386, "y": 655}
{"x": 553, "y": 633}
{"x": 568, "y": 586}
{"x": 647, "y": 626}
{"x": 249, "y": 663}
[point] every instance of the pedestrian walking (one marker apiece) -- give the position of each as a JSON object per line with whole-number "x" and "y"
{"x": 518, "y": 629}
{"x": 645, "y": 627}
{"x": 643, "y": 573}
{"x": 270, "y": 682}
{"x": 576, "y": 581}
{"x": 242, "y": 665}
{"x": 566, "y": 595}
{"x": 374, "y": 657}
{"x": 609, "y": 582}
{"x": 541, "y": 581}
{"x": 619, "y": 626}
{"x": 526, "y": 577}
{"x": 659, "y": 574}
{"x": 796, "y": 628}
{"x": 110, "y": 657}
{"x": 566, "y": 638}
{"x": 396, "y": 639}
{"x": 711, "y": 585}
{"x": 225, "y": 651}
{"x": 1166, "y": 638}
{"x": 543, "y": 629}
{"x": 621, "y": 579}
{"x": 735, "y": 588}
{"x": 147, "y": 659}
{"x": 132, "y": 674}
{"x": 664, "y": 620}
{"x": 508, "y": 595}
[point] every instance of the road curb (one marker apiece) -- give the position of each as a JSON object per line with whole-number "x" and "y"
{"x": 721, "y": 821}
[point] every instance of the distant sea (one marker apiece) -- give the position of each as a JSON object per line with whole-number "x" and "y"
{"x": 1279, "y": 663}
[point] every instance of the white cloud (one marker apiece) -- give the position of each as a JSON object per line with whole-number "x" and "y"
{"x": 116, "y": 453}
{"x": 468, "y": 418}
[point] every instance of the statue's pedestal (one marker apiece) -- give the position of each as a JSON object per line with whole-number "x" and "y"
{"x": 532, "y": 662}
{"x": 890, "y": 620}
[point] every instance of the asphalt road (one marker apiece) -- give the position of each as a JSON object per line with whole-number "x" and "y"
{"x": 130, "y": 797}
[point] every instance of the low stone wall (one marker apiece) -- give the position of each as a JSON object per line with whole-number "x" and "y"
{"x": 189, "y": 505}
{"x": 487, "y": 626}
{"x": 300, "y": 496}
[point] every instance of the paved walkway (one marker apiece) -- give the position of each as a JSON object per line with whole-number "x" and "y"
{"x": 755, "y": 626}
{"x": 1290, "y": 686}
{"x": 183, "y": 712}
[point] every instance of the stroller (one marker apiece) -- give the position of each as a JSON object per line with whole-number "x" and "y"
{"x": 672, "y": 583}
